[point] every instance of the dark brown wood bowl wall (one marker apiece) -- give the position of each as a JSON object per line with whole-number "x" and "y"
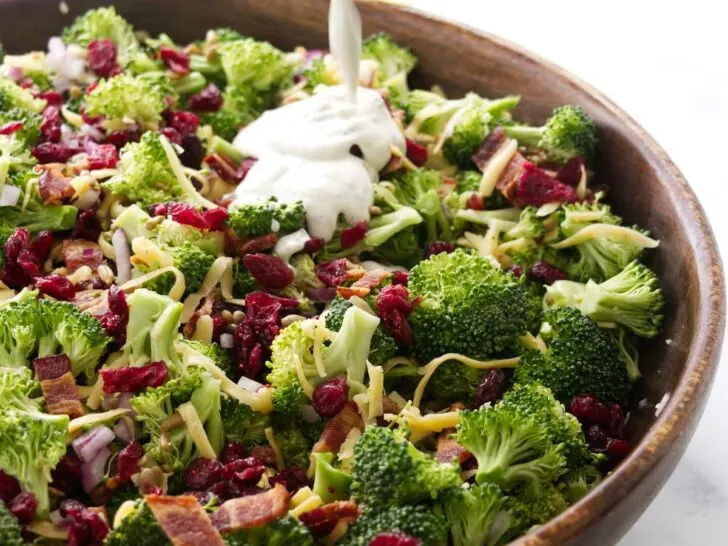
{"x": 646, "y": 187}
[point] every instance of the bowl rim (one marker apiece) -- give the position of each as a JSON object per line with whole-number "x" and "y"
{"x": 679, "y": 416}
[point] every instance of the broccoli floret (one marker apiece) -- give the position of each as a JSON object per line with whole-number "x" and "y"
{"x": 191, "y": 260}
{"x": 477, "y": 515}
{"x": 31, "y": 121}
{"x": 389, "y": 470}
{"x": 129, "y": 97}
{"x": 103, "y": 23}
{"x": 580, "y": 357}
{"x": 394, "y": 63}
{"x": 403, "y": 249}
{"x": 290, "y": 217}
{"x": 36, "y": 217}
{"x": 153, "y": 328}
{"x": 140, "y": 528}
{"x": 20, "y": 328}
{"x": 254, "y": 64}
{"x": 11, "y": 533}
{"x": 529, "y": 225}
{"x": 174, "y": 234}
{"x": 221, "y": 357}
{"x": 126, "y": 492}
{"x": 562, "y": 428}
{"x": 416, "y": 521}
{"x": 627, "y": 345}
{"x": 18, "y": 390}
{"x": 242, "y": 424}
{"x": 319, "y": 73}
{"x": 455, "y": 382}
{"x": 330, "y": 483}
{"x": 632, "y": 298}
{"x": 294, "y": 442}
{"x": 14, "y": 96}
{"x": 383, "y": 346}
{"x": 15, "y": 161}
{"x": 283, "y": 532}
{"x": 31, "y": 445}
{"x": 243, "y": 281}
{"x": 225, "y": 122}
{"x": 579, "y": 482}
{"x": 421, "y": 190}
{"x": 510, "y": 447}
{"x": 568, "y": 133}
{"x": 469, "y": 306}
{"x": 528, "y": 507}
{"x": 224, "y": 148}
{"x": 226, "y": 34}
{"x": 255, "y": 219}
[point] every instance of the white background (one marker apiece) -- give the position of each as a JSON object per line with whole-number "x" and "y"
{"x": 666, "y": 64}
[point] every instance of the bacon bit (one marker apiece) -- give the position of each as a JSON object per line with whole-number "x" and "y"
{"x": 416, "y": 153}
{"x": 183, "y": 520}
{"x": 134, "y": 379}
{"x": 265, "y": 453}
{"x": 223, "y": 168}
{"x": 448, "y": 449}
{"x": 79, "y": 252}
{"x": 240, "y": 247}
{"x": 354, "y": 272}
{"x": 322, "y": 520}
{"x": 332, "y": 273}
{"x": 252, "y": 511}
{"x": 347, "y": 292}
{"x": 59, "y": 388}
{"x": 176, "y": 61}
{"x": 245, "y": 167}
{"x": 10, "y": 128}
{"x": 508, "y": 180}
{"x": 489, "y": 147}
{"x": 51, "y": 367}
{"x": 372, "y": 279}
{"x": 338, "y": 428}
{"x": 54, "y": 184}
{"x": 350, "y": 236}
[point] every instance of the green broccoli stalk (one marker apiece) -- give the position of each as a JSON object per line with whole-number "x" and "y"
{"x": 103, "y": 23}
{"x": 31, "y": 445}
{"x": 568, "y": 133}
{"x": 140, "y": 527}
{"x": 628, "y": 349}
{"x": 477, "y": 515}
{"x": 219, "y": 145}
{"x": 510, "y": 447}
{"x": 388, "y": 470}
{"x": 580, "y": 357}
{"x": 282, "y": 532}
{"x": 242, "y": 424}
{"x": 330, "y": 483}
{"x": 37, "y": 217}
{"x": 394, "y": 63}
{"x": 14, "y": 96}
{"x": 416, "y": 521}
{"x": 11, "y": 533}
{"x": 632, "y": 298}
{"x": 153, "y": 329}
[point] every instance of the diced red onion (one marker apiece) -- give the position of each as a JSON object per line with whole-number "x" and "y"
{"x": 321, "y": 294}
{"x": 90, "y": 130}
{"x": 249, "y": 385}
{"x": 93, "y": 471}
{"x": 125, "y": 400}
{"x": 9, "y": 196}
{"x": 227, "y": 341}
{"x": 122, "y": 432}
{"x": 88, "y": 445}
{"x": 309, "y": 415}
{"x": 123, "y": 256}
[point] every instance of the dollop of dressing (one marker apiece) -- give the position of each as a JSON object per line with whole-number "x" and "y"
{"x": 326, "y": 150}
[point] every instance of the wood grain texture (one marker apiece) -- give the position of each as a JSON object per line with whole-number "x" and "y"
{"x": 646, "y": 187}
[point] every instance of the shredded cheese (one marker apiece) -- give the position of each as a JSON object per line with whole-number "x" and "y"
{"x": 196, "y": 430}
{"x": 77, "y": 425}
{"x": 362, "y": 403}
{"x": 429, "y": 369}
{"x": 361, "y": 304}
{"x": 47, "y": 529}
{"x": 339, "y": 530}
{"x": 302, "y": 379}
{"x": 346, "y": 451}
{"x": 533, "y": 342}
{"x": 203, "y": 329}
{"x": 127, "y": 508}
{"x": 496, "y": 166}
{"x": 547, "y": 208}
{"x": 420, "y": 425}
{"x": 314, "y": 501}
{"x": 175, "y": 292}
{"x": 106, "y": 248}
{"x": 581, "y": 186}
{"x": 280, "y": 463}
{"x": 375, "y": 392}
{"x": 214, "y": 276}
{"x": 300, "y": 496}
{"x": 179, "y": 173}
{"x": 82, "y": 274}
{"x": 584, "y": 215}
{"x": 72, "y": 118}
{"x": 406, "y": 163}
{"x": 485, "y": 217}
{"x": 620, "y": 233}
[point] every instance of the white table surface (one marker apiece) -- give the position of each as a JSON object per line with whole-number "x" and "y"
{"x": 665, "y": 64}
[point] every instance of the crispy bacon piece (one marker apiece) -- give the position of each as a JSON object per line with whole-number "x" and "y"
{"x": 372, "y": 279}
{"x": 489, "y": 147}
{"x": 347, "y": 292}
{"x": 238, "y": 246}
{"x": 322, "y": 520}
{"x": 265, "y": 454}
{"x": 508, "y": 180}
{"x": 337, "y": 429}
{"x": 184, "y": 520}
{"x": 59, "y": 388}
{"x": 54, "y": 184}
{"x": 448, "y": 449}
{"x": 78, "y": 252}
{"x": 252, "y": 511}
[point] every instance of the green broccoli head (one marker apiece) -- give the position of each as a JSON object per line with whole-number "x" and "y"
{"x": 153, "y": 328}
{"x": 242, "y": 424}
{"x": 191, "y": 260}
{"x": 140, "y": 528}
{"x": 579, "y": 482}
{"x": 477, "y": 515}
{"x": 255, "y": 219}
{"x": 455, "y": 382}
{"x": 173, "y": 234}
{"x": 417, "y": 521}
{"x": 469, "y": 306}
{"x": 394, "y": 63}
{"x": 140, "y": 98}
{"x": 19, "y": 390}
{"x": 282, "y": 532}
{"x": 319, "y": 73}
{"x": 225, "y": 122}
{"x": 255, "y": 64}
{"x": 19, "y": 332}
{"x": 295, "y": 443}
{"x": 580, "y": 358}
{"x": 389, "y": 470}
{"x": 529, "y": 225}
{"x": 403, "y": 249}
{"x": 11, "y": 533}
{"x": 14, "y": 96}
{"x": 31, "y": 121}
{"x": 99, "y": 24}
{"x": 243, "y": 281}
{"x": 467, "y": 135}
{"x": 421, "y": 190}
{"x": 123, "y": 493}
{"x": 528, "y": 507}
{"x": 221, "y": 357}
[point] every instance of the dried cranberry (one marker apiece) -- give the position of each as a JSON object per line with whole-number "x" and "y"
{"x": 270, "y": 271}
{"x": 56, "y": 286}
{"x": 52, "y": 98}
{"x": 86, "y": 226}
{"x": 220, "y": 490}
{"x": 102, "y": 58}
{"x": 416, "y": 153}
{"x": 90, "y": 120}
{"x": 67, "y": 473}
{"x": 121, "y": 138}
{"x": 244, "y": 168}
{"x": 192, "y": 152}
{"x": 596, "y": 437}
{"x": 172, "y": 135}
{"x": 570, "y": 174}
{"x": 537, "y": 188}
{"x": 232, "y": 452}
{"x": 394, "y": 539}
{"x": 207, "y": 100}
{"x": 546, "y": 273}
{"x": 127, "y": 463}
{"x": 216, "y": 218}
{"x": 24, "y": 258}
{"x": 313, "y": 245}
{"x": 330, "y": 397}
{"x": 400, "y": 277}
{"x": 438, "y": 247}
{"x": 182, "y": 213}
{"x": 491, "y": 387}
{"x": 23, "y": 507}
{"x": 516, "y": 270}
{"x": 116, "y": 318}
{"x": 103, "y": 156}
{"x": 176, "y": 61}
{"x": 247, "y": 470}
{"x": 223, "y": 168}
{"x": 352, "y": 235}
{"x": 185, "y": 123}
{"x": 589, "y": 409}
{"x": 322, "y": 520}
{"x": 616, "y": 421}
{"x": 50, "y": 128}
{"x": 321, "y": 295}
{"x": 201, "y": 473}
{"x": 475, "y": 202}
{"x": 134, "y": 378}
{"x": 292, "y": 477}
{"x": 85, "y": 527}
{"x": 237, "y": 489}
{"x": 51, "y": 152}
{"x": 617, "y": 449}
{"x": 9, "y": 487}
{"x": 332, "y": 273}
{"x": 10, "y": 128}
{"x": 393, "y": 306}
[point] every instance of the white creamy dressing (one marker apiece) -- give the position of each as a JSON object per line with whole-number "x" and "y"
{"x": 304, "y": 149}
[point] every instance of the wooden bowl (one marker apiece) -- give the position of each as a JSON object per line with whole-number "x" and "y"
{"x": 646, "y": 187}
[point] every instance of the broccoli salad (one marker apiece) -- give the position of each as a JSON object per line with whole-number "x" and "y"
{"x": 261, "y": 297}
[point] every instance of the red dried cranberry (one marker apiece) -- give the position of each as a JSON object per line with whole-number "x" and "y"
{"x": 394, "y": 539}
{"x": 172, "y": 135}
{"x": 616, "y": 421}
{"x": 416, "y": 153}
{"x": 270, "y": 271}
{"x": 24, "y": 258}
{"x": 103, "y": 156}
{"x": 121, "y": 138}
{"x": 50, "y": 129}
{"x": 438, "y": 247}
{"x": 332, "y": 273}
{"x": 86, "y": 226}
{"x": 185, "y": 123}
{"x": 244, "y": 168}
{"x": 321, "y": 295}
{"x": 223, "y": 168}
{"x": 292, "y": 477}
{"x": 201, "y": 473}
{"x": 134, "y": 378}
{"x": 51, "y": 152}
{"x": 67, "y": 473}
{"x": 546, "y": 273}
{"x": 393, "y": 306}
{"x": 52, "y": 98}
{"x": 10, "y": 128}
{"x": 313, "y": 245}
{"x": 537, "y": 188}
{"x": 400, "y": 277}
{"x": 352, "y": 235}
{"x": 516, "y": 270}
{"x": 127, "y": 463}
{"x": 102, "y": 58}
{"x": 207, "y": 100}
{"x": 186, "y": 214}
{"x": 192, "y": 152}
{"x": 9, "y": 487}
{"x": 23, "y": 507}
{"x": 116, "y": 318}
{"x": 475, "y": 202}
{"x": 90, "y": 120}
{"x": 491, "y": 387}
{"x": 85, "y": 527}
{"x": 617, "y": 450}
{"x": 596, "y": 437}
{"x": 56, "y": 286}
{"x": 588, "y": 409}
{"x": 215, "y": 218}
{"x": 176, "y": 61}
{"x": 237, "y": 489}
{"x": 220, "y": 490}
{"x": 232, "y": 452}
{"x": 330, "y": 397}
{"x": 570, "y": 173}
{"x": 247, "y": 470}
{"x": 322, "y": 520}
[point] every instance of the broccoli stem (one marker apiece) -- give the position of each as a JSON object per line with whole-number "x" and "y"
{"x": 525, "y": 135}
{"x": 189, "y": 83}
{"x": 223, "y": 147}
{"x": 199, "y": 63}
{"x": 350, "y": 350}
